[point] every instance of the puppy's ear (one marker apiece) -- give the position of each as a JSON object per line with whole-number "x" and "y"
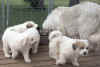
{"x": 38, "y": 28}
{"x": 74, "y": 46}
{"x": 29, "y": 25}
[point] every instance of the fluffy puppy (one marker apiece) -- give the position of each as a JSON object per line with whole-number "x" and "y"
{"x": 24, "y": 26}
{"x": 63, "y": 48}
{"x": 20, "y": 42}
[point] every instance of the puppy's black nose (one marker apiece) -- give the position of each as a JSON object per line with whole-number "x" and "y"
{"x": 85, "y": 53}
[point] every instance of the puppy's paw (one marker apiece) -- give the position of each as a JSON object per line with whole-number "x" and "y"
{"x": 7, "y": 56}
{"x": 28, "y": 61}
{"x": 59, "y": 63}
{"x": 76, "y": 64}
{"x": 13, "y": 57}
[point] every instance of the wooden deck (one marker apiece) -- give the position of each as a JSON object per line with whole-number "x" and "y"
{"x": 41, "y": 59}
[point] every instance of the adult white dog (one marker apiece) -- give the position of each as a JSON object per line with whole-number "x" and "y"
{"x": 52, "y": 21}
{"x": 80, "y": 21}
{"x": 20, "y": 42}
{"x": 65, "y": 49}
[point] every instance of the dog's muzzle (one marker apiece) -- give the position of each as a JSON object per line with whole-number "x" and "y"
{"x": 85, "y": 53}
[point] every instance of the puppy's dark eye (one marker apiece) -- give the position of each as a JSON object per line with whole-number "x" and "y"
{"x": 82, "y": 48}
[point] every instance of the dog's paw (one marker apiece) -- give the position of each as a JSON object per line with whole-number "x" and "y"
{"x": 28, "y": 61}
{"x": 76, "y": 64}
{"x": 13, "y": 57}
{"x": 59, "y": 63}
{"x": 8, "y": 56}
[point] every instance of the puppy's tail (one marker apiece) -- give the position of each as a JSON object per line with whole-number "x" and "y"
{"x": 54, "y": 34}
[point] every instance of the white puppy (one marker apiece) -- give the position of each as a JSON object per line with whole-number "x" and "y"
{"x": 63, "y": 48}
{"x": 24, "y": 26}
{"x": 20, "y": 42}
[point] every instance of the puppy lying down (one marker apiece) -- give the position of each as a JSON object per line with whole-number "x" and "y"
{"x": 20, "y": 42}
{"x": 63, "y": 48}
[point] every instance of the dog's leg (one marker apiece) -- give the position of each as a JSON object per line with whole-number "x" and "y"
{"x": 61, "y": 60}
{"x": 75, "y": 62}
{"x": 35, "y": 48}
{"x": 52, "y": 53}
{"x": 14, "y": 54}
{"x": 52, "y": 49}
{"x": 26, "y": 56}
{"x": 6, "y": 50}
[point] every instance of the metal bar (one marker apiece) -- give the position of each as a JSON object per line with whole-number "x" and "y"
{"x": 50, "y": 5}
{"x": 3, "y": 14}
{"x": 7, "y": 22}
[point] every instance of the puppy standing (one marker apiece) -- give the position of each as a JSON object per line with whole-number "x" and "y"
{"x": 20, "y": 28}
{"x": 20, "y": 42}
{"x": 63, "y": 48}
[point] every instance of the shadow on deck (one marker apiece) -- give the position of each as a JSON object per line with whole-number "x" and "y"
{"x": 41, "y": 59}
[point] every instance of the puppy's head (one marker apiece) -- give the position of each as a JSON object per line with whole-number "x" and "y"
{"x": 81, "y": 47}
{"x": 30, "y": 24}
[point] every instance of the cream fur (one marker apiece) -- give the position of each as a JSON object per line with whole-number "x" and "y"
{"x": 94, "y": 41}
{"x": 54, "y": 34}
{"x": 20, "y": 42}
{"x": 61, "y": 49}
{"x": 22, "y": 27}
{"x": 80, "y": 21}
{"x": 52, "y": 21}
{"x": 83, "y": 19}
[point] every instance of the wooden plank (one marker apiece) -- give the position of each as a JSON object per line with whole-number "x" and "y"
{"x": 41, "y": 59}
